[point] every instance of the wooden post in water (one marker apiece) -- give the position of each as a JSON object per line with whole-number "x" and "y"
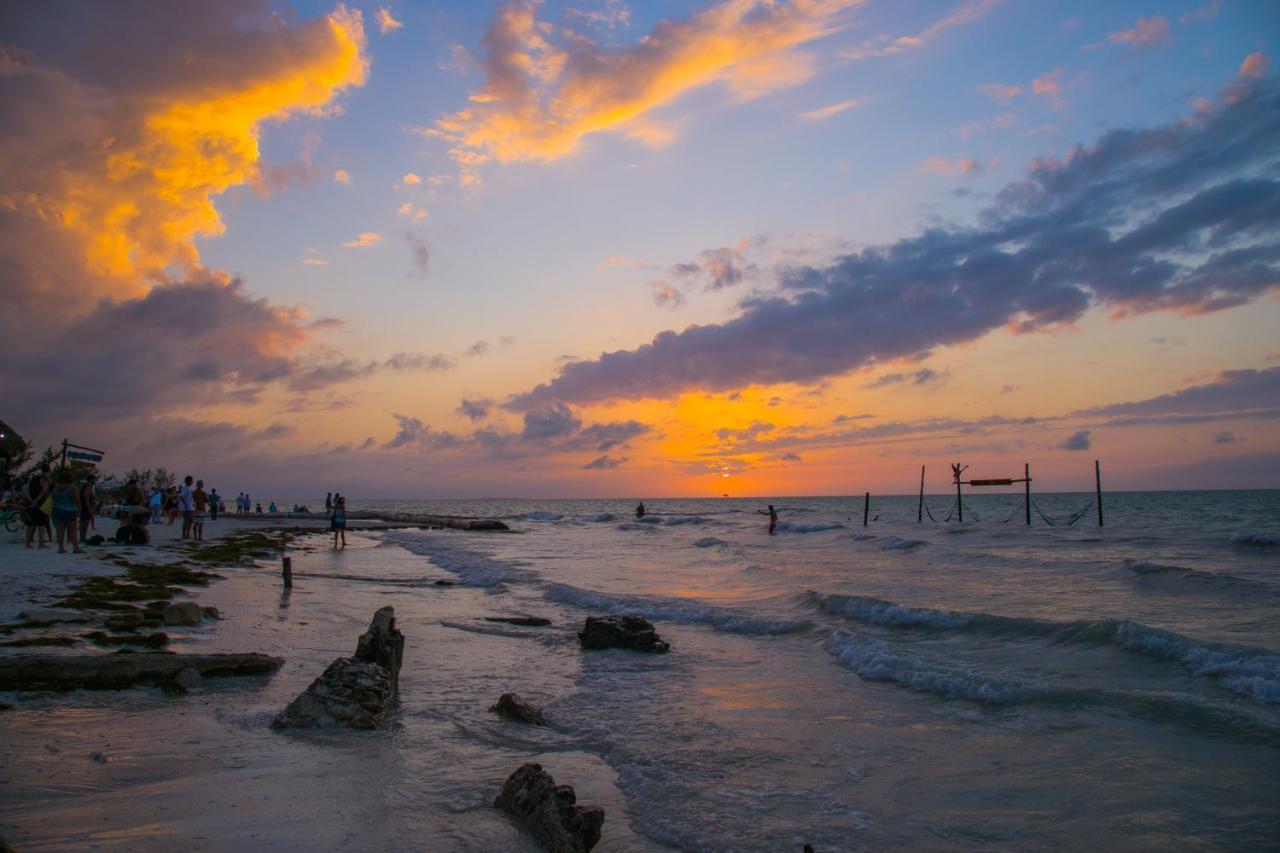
{"x": 920, "y": 507}
{"x": 866, "y": 508}
{"x": 1026, "y": 472}
{"x": 959, "y": 500}
{"x": 286, "y": 565}
{"x": 1097, "y": 477}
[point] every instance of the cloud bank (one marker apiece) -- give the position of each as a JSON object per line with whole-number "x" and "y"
{"x": 1179, "y": 217}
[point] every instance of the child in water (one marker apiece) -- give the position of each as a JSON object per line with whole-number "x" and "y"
{"x": 773, "y": 517}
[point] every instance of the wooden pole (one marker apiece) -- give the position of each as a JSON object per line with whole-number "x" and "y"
{"x": 286, "y": 564}
{"x": 1026, "y": 472}
{"x": 866, "y": 508}
{"x": 1097, "y": 476}
{"x": 920, "y": 507}
{"x": 959, "y": 500}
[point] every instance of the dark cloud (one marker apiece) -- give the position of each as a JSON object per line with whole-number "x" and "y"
{"x": 1224, "y": 438}
{"x": 477, "y": 349}
{"x": 549, "y": 423}
{"x": 720, "y": 268}
{"x": 1180, "y": 217}
{"x": 790, "y": 457}
{"x": 1081, "y": 440}
{"x": 749, "y": 433}
{"x": 607, "y": 436}
{"x": 421, "y": 255}
{"x": 475, "y": 410}
{"x": 924, "y": 376}
{"x": 604, "y": 463}
{"x": 310, "y": 378}
{"x": 1231, "y": 391}
{"x": 414, "y": 433}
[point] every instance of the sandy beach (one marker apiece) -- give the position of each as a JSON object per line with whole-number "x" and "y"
{"x": 138, "y": 769}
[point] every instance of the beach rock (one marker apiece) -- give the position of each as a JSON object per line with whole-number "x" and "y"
{"x": 356, "y": 691}
{"x": 526, "y": 621}
{"x": 115, "y": 672}
{"x": 182, "y": 613}
{"x": 383, "y": 644}
{"x": 188, "y": 679}
{"x": 511, "y": 706}
{"x": 621, "y": 632}
{"x": 549, "y": 811}
{"x": 444, "y": 583}
{"x": 37, "y": 616}
{"x": 349, "y": 693}
{"x": 212, "y": 613}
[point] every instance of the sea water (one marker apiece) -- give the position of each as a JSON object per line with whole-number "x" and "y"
{"x": 924, "y": 685}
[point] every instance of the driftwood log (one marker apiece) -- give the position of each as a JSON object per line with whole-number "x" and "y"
{"x": 116, "y": 672}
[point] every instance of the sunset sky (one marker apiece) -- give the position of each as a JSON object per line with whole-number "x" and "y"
{"x": 602, "y": 248}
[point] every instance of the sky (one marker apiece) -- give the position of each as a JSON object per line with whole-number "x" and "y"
{"x": 600, "y": 248}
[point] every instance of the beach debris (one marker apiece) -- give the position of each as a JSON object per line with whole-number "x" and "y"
{"x": 355, "y": 691}
{"x": 621, "y": 632}
{"x": 183, "y": 613}
{"x": 511, "y": 706}
{"x": 550, "y": 811}
{"x": 444, "y": 583}
{"x": 526, "y": 621}
{"x": 116, "y": 672}
{"x": 40, "y": 616}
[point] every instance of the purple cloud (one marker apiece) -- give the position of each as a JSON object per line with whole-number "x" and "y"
{"x": 1177, "y": 217}
{"x": 604, "y": 463}
{"x": 1081, "y": 440}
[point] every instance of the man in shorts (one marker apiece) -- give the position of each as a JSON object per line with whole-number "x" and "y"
{"x": 200, "y": 500}
{"x": 186, "y": 506}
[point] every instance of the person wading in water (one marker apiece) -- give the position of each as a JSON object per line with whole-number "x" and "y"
{"x": 773, "y": 517}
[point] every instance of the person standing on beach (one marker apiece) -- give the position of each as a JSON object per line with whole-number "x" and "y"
{"x": 200, "y": 504}
{"x": 157, "y": 504}
{"x": 773, "y": 517}
{"x": 338, "y": 522}
{"x": 66, "y": 508}
{"x": 214, "y": 500}
{"x": 328, "y": 503}
{"x": 87, "y": 514}
{"x": 35, "y": 494}
{"x": 186, "y": 505}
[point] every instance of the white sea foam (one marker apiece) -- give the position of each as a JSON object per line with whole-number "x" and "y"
{"x": 1242, "y": 669}
{"x": 797, "y": 527}
{"x": 674, "y": 520}
{"x": 600, "y": 517}
{"x": 874, "y": 660}
{"x": 1253, "y": 537}
{"x": 880, "y": 612}
{"x": 897, "y": 543}
{"x": 539, "y": 515}
{"x": 471, "y": 567}
{"x": 667, "y": 609}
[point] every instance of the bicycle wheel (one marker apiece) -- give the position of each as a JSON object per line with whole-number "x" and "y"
{"x": 11, "y": 522}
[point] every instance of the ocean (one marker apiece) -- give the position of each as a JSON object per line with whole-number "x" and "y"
{"x": 899, "y": 685}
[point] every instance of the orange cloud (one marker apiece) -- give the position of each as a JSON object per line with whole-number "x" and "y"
{"x": 132, "y": 159}
{"x": 386, "y": 21}
{"x": 364, "y": 240}
{"x": 540, "y": 98}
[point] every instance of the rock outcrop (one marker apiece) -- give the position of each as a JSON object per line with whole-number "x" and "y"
{"x": 511, "y": 706}
{"x": 356, "y": 691}
{"x": 182, "y": 613}
{"x": 550, "y": 811}
{"x": 523, "y": 621}
{"x": 114, "y": 672}
{"x": 621, "y": 632}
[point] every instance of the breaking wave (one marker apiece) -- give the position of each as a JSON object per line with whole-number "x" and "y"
{"x": 539, "y": 515}
{"x": 673, "y": 610}
{"x": 1246, "y": 670}
{"x": 708, "y": 542}
{"x": 797, "y": 527}
{"x": 897, "y": 543}
{"x": 471, "y": 567}
{"x": 1250, "y": 537}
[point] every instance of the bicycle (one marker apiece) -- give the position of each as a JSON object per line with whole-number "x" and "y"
{"x": 11, "y": 518}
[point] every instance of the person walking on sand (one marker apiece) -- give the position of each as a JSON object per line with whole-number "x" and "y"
{"x": 200, "y": 501}
{"x": 66, "y": 508}
{"x": 773, "y": 517}
{"x": 186, "y": 505}
{"x": 34, "y": 496}
{"x": 157, "y": 503}
{"x": 87, "y": 514}
{"x": 338, "y": 522}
